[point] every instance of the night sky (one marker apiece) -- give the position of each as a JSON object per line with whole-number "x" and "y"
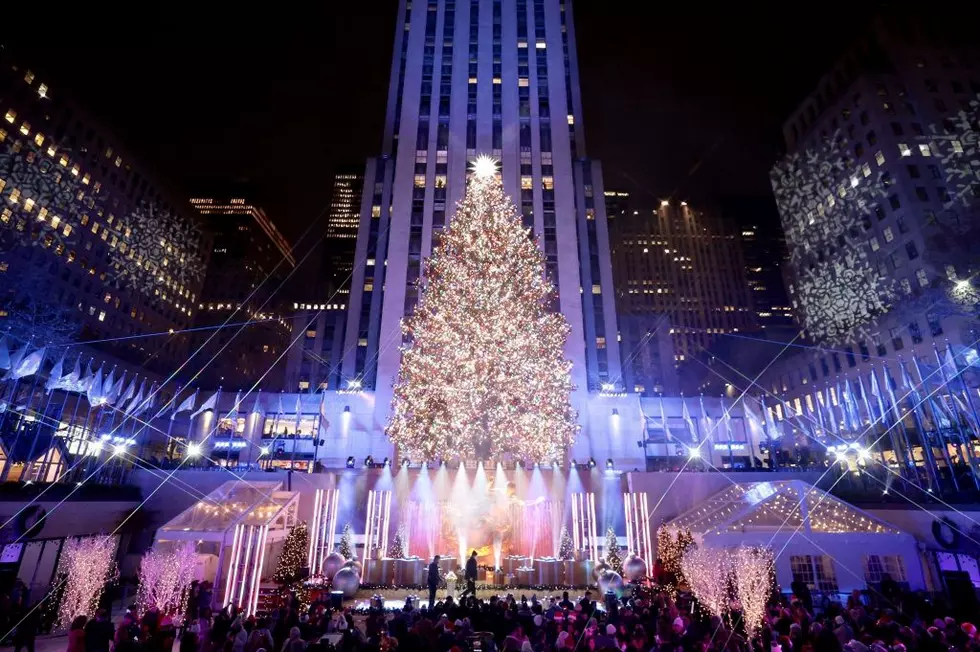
{"x": 679, "y": 102}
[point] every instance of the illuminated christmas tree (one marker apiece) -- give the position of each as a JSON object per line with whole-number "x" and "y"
{"x": 613, "y": 559}
{"x": 566, "y": 548}
{"x": 483, "y": 372}
{"x": 397, "y": 548}
{"x": 293, "y": 556}
{"x": 347, "y": 543}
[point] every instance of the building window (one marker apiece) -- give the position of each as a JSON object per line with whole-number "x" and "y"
{"x": 889, "y": 234}
{"x": 904, "y": 149}
{"x": 527, "y": 183}
{"x": 922, "y": 277}
{"x": 304, "y": 385}
{"x": 10, "y": 116}
{"x": 548, "y": 183}
{"x": 420, "y": 181}
{"x": 879, "y": 158}
{"x": 311, "y": 333}
{"x": 877, "y": 566}
{"x": 600, "y": 342}
{"x": 375, "y": 211}
{"x": 924, "y": 149}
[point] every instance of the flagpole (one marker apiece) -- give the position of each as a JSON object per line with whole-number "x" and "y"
{"x": 938, "y": 424}
{"x": 969, "y": 397}
{"x": 707, "y": 432}
{"x": 30, "y": 399}
{"x": 72, "y": 426}
{"x": 959, "y": 427}
{"x": 299, "y": 416}
{"x": 931, "y": 469}
{"x": 908, "y": 457}
{"x": 726, "y": 415}
{"x": 37, "y": 432}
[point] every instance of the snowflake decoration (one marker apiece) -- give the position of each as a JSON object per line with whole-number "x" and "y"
{"x": 825, "y": 203}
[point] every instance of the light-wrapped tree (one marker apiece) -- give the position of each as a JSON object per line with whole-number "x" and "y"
{"x": 483, "y": 373}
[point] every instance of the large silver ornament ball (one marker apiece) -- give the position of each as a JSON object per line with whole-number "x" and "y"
{"x": 611, "y": 581}
{"x": 333, "y": 563}
{"x": 634, "y": 569}
{"x": 348, "y": 581}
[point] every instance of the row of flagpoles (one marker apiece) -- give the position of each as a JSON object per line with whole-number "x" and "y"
{"x": 941, "y": 406}
{"x": 109, "y": 397}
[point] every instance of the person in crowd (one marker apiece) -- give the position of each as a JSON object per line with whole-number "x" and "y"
{"x": 76, "y": 634}
{"x": 27, "y": 626}
{"x": 99, "y": 632}
{"x": 433, "y": 580}
{"x": 470, "y": 576}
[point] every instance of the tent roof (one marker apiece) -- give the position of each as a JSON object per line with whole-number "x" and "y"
{"x": 769, "y": 506}
{"x": 234, "y": 502}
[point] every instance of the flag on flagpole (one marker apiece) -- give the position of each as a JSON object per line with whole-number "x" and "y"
{"x": 28, "y": 365}
{"x": 55, "y": 375}
{"x": 866, "y": 399}
{"x": 116, "y": 390}
{"x": 186, "y": 404}
{"x": 890, "y": 386}
{"x": 137, "y": 400}
{"x": 324, "y": 423}
{"x": 129, "y": 393}
{"x": 94, "y": 392}
{"x": 663, "y": 419}
{"x": 686, "y": 415}
{"x": 151, "y": 400}
{"x": 257, "y": 403}
{"x": 209, "y": 404}
{"x": 108, "y": 383}
{"x": 850, "y": 403}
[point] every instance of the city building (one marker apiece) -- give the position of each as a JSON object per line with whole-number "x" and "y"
{"x": 617, "y": 203}
{"x": 685, "y": 267}
{"x": 878, "y": 199}
{"x": 94, "y": 248}
{"x": 476, "y": 77}
{"x": 647, "y": 350}
{"x": 343, "y": 220}
{"x": 765, "y": 253}
{"x": 250, "y": 261}
{"x": 314, "y": 357}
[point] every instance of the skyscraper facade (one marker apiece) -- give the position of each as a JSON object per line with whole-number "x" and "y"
{"x": 472, "y": 77}
{"x": 765, "y": 254}
{"x": 93, "y": 246}
{"x": 250, "y": 259}
{"x": 339, "y": 243}
{"x": 684, "y": 268}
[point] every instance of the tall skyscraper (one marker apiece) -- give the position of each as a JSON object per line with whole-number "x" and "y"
{"x": 878, "y": 197}
{"x": 472, "y": 77}
{"x": 340, "y": 241}
{"x": 92, "y": 246}
{"x": 684, "y": 266}
{"x": 249, "y": 261}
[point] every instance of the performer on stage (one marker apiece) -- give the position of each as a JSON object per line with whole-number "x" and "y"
{"x": 470, "y": 576}
{"x": 433, "y": 581}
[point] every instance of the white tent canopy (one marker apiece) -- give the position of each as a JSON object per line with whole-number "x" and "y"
{"x": 831, "y": 545}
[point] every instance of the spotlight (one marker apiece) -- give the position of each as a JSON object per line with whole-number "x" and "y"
{"x": 118, "y": 449}
{"x": 350, "y": 462}
{"x": 354, "y": 384}
{"x": 608, "y": 387}
{"x": 193, "y": 450}
{"x": 609, "y": 463}
{"x": 368, "y": 461}
{"x": 962, "y": 284}
{"x": 264, "y": 450}
{"x": 694, "y": 453}
{"x": 591, "y": 462}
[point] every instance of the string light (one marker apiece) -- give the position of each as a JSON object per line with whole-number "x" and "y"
{"x": 165, "y": 577}
{"x": 87, "y": 566}
{"x": 484, "y": 374}
{"x": 708, "y": 571}
{"x": 752, "y": 568}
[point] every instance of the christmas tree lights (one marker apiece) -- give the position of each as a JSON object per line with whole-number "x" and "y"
{"x": 293, "y": 556}
{"x": 566, "y": 549}
{"x": 397, "y": 548}
{"x": 613, "y": 558}
{"x": 707, "y": 571}
{"x": 483, "y": 373}
{"x": 347, "y": 543}
{"x": 752, "y": 568}
{"x": 86, "y": 566}
{"x": 164, "y": 577}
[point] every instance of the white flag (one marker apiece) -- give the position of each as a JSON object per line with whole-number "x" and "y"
{"x": 95, "y": 395}
{"x": 28, "y": 365}
{"x": 209, "y": 404}
{"x": 54, "y": 377}
{"x": 136, "y": 400}
{"x": 324, "y": 424}
{"x": 113, "y": 394}
{"x": 186, "y": 404}
{"x": 130, "y": 391}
